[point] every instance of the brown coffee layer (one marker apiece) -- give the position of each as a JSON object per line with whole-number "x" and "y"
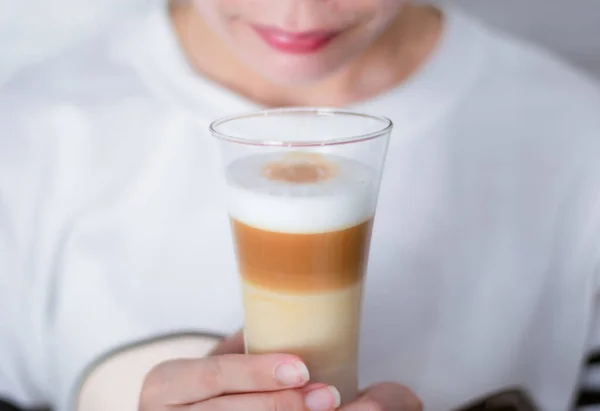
{"x": 301, "y": 263}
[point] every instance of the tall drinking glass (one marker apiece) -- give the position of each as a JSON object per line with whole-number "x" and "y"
{"x": 302, "y": 188}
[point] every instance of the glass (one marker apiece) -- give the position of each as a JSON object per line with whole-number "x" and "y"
{"x": 302, "y": 189}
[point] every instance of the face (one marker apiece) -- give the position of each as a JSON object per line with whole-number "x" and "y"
{"x": 298, "y": 41}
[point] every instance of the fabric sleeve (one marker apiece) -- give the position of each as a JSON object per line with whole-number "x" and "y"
{"x": 588, "y": 393}
{"x": 13, "y": 379}
{"x": 19, "y": 384}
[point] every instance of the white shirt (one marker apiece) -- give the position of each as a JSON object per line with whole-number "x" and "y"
{"x": 484, "y": 267}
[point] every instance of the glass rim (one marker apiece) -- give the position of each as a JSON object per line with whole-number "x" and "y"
{"x": 386, "y": 128}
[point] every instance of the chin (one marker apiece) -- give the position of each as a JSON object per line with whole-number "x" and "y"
{"x": 297, "y": 76}
{"x": 296, "y": 70}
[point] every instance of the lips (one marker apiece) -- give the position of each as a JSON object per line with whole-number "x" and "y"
{"x": 295, "y": 42}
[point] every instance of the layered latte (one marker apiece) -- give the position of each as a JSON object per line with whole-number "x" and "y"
{"x": 302, "y": 227}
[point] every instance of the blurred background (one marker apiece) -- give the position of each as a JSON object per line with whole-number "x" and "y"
{"x": 31, "y": 30}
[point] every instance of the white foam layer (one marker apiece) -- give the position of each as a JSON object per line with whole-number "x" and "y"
{"x": 347, "y": 198}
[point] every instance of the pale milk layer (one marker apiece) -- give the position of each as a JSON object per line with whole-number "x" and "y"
{"x": 344, "y": 200}
{"x": 323, "y": 329}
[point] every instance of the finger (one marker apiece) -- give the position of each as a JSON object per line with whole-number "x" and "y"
{"x": 315, "y": 398}
{"x": 231, "y": 345}
{"x": 181, "y": 382}
{"x": 386, "y": 397}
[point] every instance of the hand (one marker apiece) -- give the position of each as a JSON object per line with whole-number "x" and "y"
{"x": 274, "y": 382}
{"x": 225, "y": 381}
{"x": 386, "y": 396}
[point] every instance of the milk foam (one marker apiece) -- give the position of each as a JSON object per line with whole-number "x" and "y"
{"x": 344, "y": 199}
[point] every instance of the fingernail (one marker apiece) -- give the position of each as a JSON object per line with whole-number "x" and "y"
{"x": 323, "y": 399}
{"x": 292, "y": 373}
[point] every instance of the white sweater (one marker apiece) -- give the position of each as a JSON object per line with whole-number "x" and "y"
{"x": 486, "y": 250}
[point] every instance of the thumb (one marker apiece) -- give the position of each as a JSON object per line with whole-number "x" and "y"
{"x": 386, "y": 396}
{"x": 233, "y": 344}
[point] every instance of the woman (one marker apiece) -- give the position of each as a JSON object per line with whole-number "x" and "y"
{"x": 115, "y": 245}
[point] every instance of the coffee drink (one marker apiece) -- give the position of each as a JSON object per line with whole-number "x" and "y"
{"x": 302, "y": 227}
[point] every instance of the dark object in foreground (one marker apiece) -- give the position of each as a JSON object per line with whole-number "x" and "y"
{"x": 5, "y": 406}
{"x": 511, "y": 400}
